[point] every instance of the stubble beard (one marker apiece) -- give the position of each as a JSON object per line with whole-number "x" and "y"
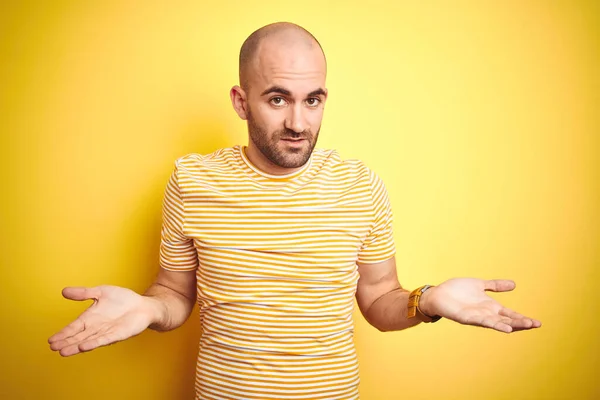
{"x": 293, "y": 157}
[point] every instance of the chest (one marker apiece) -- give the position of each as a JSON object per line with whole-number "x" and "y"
{"x": 247, "y": 216}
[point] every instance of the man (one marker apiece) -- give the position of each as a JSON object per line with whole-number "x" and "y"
{"x": 274, "y": 240}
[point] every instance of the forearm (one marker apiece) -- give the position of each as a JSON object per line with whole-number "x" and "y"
{"x": 170, "y": 309}
{"x": 390, "y": 312}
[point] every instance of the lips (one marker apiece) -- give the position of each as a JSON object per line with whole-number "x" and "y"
{"x": 294, "y": 143}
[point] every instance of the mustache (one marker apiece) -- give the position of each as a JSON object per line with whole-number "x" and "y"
{"x": 290, "y": 134}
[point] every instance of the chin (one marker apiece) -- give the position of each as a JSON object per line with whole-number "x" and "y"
{"x": 295, "y": 162}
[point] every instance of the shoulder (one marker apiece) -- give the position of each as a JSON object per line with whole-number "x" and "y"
{"x": 194, "y": 165}
{"x": 194, "y": 169}
{"x": 330, "y": 161}
{"x": 217, "y": 158}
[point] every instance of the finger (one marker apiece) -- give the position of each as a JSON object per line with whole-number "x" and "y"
{"x": 70, "y": 350}
{"x": 72, "y": 329}
{"x": 98, "y": 341}
{"x": 91, "y": 328}
{"x": 525, "y": 323}
{"x": 521, "y": 324}
{"x": 492, "y": 322}
{"x": 516, "y": 316}
{"x": 73, "y": 347}
{"x": 507, "y": 312}
{"x": 502, "y": 326}
{"x": 81, "y": 293}
{"x": 500, "y": 285}
{"x": 73, "y": 340}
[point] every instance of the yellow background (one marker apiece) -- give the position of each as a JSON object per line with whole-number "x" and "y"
{"x": 481, "y": 117}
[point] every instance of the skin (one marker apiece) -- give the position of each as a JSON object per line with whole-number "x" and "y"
{"x": 282, "y": 98}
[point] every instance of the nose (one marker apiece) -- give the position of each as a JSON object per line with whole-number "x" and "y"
{"x": 295, "y": 119}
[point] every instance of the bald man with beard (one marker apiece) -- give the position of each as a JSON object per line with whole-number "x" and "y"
{"x": 275, "y": 240}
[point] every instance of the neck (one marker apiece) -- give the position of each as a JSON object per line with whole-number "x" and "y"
{"x": 261, "y": 162}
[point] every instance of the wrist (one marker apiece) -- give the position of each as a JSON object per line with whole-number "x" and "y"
{"x": 425, "y": 303}
{"x": 156, "y": 312}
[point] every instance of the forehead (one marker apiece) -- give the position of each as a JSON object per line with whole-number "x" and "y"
{"x": 298, "y": 67}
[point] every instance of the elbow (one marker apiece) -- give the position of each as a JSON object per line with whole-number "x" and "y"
{"x": 380, "y": 327}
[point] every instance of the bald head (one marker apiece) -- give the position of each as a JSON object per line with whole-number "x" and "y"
{"x": 282, "y": 96}
{"x": 271, "y": 38}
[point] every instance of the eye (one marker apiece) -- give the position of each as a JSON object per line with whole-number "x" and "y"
{"x": 277, "y": 101}
{"x": 313, "y": 102}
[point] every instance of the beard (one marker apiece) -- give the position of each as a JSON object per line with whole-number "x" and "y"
{"x": 274, "y": 150}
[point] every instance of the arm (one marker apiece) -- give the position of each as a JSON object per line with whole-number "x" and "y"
{"x": 172, "y": 297}
{"x": 174, "y": 292}
{"x": 119, "y": 313}
{"x": 381, "y": 299}
{"x": 384, "y": 303}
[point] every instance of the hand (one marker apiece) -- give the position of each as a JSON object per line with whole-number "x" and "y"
{"x": 464, "y": 300}
{"x": 117, "y": 314}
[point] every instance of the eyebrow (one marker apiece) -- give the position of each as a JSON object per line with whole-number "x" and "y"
{"x": 285, "y": 92}
{"x": 276, "y": 89}
{"x": 317, "y": 92}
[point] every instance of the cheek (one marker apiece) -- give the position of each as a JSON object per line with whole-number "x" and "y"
{"x": 271, "y": 119}
{"x": 314, "y": 118}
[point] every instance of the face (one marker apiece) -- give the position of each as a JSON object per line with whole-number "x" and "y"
{"x": 285, "y": 102}
{"x": 282, "y": 146}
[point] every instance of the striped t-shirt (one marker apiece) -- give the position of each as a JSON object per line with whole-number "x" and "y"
{"x": 275, "y": 259}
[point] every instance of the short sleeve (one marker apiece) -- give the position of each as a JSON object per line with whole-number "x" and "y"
{"x": 177, "y": 252}
{"x": 379, "y": 243}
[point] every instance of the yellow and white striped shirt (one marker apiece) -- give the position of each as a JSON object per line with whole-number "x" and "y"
{"x": 275, "y": 259}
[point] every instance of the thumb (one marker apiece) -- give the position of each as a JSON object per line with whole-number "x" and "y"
{"x": 500, "y": 285}
{"x": 81, "y": 293}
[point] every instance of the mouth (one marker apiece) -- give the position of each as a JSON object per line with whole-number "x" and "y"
{"x": 293, "y": 139}
{"x": 293, "y": 143}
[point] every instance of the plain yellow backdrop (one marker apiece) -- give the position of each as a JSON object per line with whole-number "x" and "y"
{"x": 482, "y": 118}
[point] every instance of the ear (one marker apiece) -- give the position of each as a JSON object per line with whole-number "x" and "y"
{"x": 238, "y": 100}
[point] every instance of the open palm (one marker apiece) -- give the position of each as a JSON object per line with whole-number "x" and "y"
{"x": 117, "y": 314}
{"x": 464, "y": 300}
